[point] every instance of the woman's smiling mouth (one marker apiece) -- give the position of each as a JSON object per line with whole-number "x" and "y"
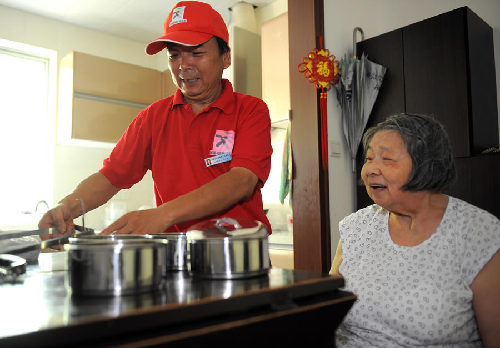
{"x": 377, "y": 187}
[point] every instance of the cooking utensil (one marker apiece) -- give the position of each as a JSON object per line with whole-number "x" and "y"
{"x": 47, "y": 231}
{"x": 11, "y": 266}
{"x": 13, "y": 242}
{"x": 40, "y": 232}
{"x": 114, "y": 264}
{"x": 83, "y": 231}
{"x": 176, "y": 250}
{"x": 228, "y": 248}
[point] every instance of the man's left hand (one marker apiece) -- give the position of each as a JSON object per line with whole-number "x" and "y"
{"x": 149, "y": 221}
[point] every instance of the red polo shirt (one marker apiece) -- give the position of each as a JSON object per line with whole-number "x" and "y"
{"x": 182, "y": 149}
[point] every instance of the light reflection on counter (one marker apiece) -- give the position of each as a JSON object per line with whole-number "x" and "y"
{"x": 31, "y": 297}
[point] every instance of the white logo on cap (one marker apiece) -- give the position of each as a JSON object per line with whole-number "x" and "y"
{"x": 178, "y": 16}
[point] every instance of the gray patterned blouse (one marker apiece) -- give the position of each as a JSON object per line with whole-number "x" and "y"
{"x": 420, "y": 295}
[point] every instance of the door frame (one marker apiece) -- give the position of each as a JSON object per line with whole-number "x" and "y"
{"x": 310, "y": 202}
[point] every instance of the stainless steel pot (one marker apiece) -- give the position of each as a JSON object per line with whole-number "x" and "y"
{"x": 176, "y": 250}
{"x": 114, "y": 264}
{"x": 228, "y": 249}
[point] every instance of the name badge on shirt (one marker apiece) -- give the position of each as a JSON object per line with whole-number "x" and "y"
{"x": 211, "y": 161}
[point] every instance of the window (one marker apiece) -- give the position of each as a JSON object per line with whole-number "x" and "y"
{"x": 27, "y": 122}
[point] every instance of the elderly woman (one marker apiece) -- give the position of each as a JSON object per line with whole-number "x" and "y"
{"x": 425, "y": 266}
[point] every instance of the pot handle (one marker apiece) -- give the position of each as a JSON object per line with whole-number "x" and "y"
{"x": 224, "y": 222}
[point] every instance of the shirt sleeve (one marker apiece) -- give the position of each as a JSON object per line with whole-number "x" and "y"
{"x": 478, "y": 241}
{"x": 252, "y": 145}
{"x": 131, "y": 157}
{"x": 346, "y": 232}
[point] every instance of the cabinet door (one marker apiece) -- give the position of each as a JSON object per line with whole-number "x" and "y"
{"x": 483, "y": 89}
{"x": 448, "y": 71}
{"x": 99, "y": 97}
{"x": 100, "y": 121}
{"x": 387, "y": 50}
{"x": 477, "y": 181}
{"x": 435, "y": 64}
{"x": 485, "y": 183}
{"x": 116, "y": 80}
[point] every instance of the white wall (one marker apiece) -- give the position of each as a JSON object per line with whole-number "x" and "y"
{"x": 270, "y": 11}
{"x": 74, "y": 163}
{"x": 375, "y": 18}
{"x": 276, "y": 94}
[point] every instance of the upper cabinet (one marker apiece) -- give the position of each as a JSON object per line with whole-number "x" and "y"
{"x": 443, "y": 66}
{"x": 112, "y": 79}
{"x": 99, "y": 97}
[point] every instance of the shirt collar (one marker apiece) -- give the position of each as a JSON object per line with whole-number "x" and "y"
{"x": 224, "y": 101}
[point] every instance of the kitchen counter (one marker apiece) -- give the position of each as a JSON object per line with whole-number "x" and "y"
{"x": 283, "y": 306}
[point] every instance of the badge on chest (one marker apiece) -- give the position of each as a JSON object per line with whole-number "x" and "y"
{"x": 222, "y": 147}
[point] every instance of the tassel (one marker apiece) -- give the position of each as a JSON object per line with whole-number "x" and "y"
{"x": 324, "y": 129}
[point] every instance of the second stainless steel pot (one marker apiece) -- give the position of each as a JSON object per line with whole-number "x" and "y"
{"x": 228, "y": 249}
{"x": 176, "y": 250}
{"x": 114, "y": 264}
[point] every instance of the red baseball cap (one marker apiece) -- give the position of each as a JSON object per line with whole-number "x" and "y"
{"x": 190, "y": 23}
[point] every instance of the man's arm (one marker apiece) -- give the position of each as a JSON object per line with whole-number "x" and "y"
{"x": 219, "y": 194}
{"x": 94, "y": 191}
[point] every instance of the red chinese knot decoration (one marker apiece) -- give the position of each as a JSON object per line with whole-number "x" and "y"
{"x": 321, "y": 68}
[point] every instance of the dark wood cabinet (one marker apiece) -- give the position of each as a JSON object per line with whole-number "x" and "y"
{"x": 444, "y": 66}
{"x": 478, "y": 182}
{"x": 450, "y": 73}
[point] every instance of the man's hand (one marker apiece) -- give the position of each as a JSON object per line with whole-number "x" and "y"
{"x": 150, "y": 221}
{"x": 94, "y": 191}
{"x": 58, "y": 217}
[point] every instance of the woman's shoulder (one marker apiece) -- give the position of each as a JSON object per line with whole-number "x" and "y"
{"x": 468, "y": 213}
{"x": 477, "y": 235}
{"x": 363, "y": 225}
{"x": 366, "y": 214}
{"x": 471, "y": 225}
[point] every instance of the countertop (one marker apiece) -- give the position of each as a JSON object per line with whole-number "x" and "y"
{"x": 39, "y": 306}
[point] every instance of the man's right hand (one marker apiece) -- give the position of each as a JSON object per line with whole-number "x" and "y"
{"x": 95, "y": 190}
{"x": 58, "y": 217}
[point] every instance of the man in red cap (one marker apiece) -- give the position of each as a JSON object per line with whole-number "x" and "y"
{"x": 208, "y": 147}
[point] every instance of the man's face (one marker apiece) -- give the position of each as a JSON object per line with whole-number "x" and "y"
{"x": 197, "y": 70}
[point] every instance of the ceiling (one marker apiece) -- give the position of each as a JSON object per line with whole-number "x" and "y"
{"x": 140, "y": 20}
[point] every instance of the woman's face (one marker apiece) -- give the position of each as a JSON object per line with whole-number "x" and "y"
{"x": 386, "y": 169}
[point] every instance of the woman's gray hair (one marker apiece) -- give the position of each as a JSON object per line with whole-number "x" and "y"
{"x": 433, "y": 165}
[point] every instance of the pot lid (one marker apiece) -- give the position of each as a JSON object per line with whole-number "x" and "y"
{"x": 167, "y": 235}
{"x": 111, "y": 239}
{"x": 227, "y": 228}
